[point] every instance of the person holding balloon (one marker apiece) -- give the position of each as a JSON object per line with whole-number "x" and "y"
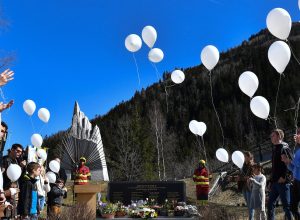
{"x": 280, "y": 176}
{"x": 201, "y": 178}
{"x": 28, "y": 206}
{"x": 55, "y": 198}
{"x": 293, "y": 165}
{"x": 244, "y": 182}
{"x": 13, "y": 157}
{"x": 43, "y": 187}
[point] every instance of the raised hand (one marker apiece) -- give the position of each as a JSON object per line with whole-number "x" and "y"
{"x": 4, "y": 106}
{"x": 6, "y": 76}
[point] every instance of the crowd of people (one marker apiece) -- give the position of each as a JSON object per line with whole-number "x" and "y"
{"x": 25, "y": 198}
{"x": 284, "y": 182}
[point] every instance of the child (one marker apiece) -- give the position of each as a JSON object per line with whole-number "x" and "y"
{"x": 12, "y": 201}
{"x": 55, "y": 198}
{"x": 28, "y": 206}
{"x": 43, "y": 187}
{"x": 258, "y": 196}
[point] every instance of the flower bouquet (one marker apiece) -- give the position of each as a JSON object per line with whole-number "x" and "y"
{"x": 108, "y": 210}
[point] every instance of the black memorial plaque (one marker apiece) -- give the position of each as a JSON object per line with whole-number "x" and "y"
{"x": 125, "y": 192}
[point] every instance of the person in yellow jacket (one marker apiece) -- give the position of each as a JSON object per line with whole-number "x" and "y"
{"x": 82, "y": 174}
{"x": 201, "y": 178}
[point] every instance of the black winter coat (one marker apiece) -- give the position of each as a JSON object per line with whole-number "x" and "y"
{"x": 25, "y": 196}
{"x": 55, "y": 196}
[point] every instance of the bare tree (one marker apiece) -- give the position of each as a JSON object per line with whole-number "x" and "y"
{"x": 155, "y": 126}
{"x": 128, "y": 157}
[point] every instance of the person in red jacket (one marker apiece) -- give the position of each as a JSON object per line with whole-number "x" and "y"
{"x": 82, "y": 174}
{"x": 201, "y": 178}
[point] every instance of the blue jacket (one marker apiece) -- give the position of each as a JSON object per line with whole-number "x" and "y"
{"x": 295, "y": 165}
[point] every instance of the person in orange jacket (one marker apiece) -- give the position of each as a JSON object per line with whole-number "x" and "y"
{"x": 82, "y": 174}
{"x": 201, "y": 178}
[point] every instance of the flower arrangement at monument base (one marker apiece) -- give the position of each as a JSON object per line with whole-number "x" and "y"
{"x": 143, "y": 212}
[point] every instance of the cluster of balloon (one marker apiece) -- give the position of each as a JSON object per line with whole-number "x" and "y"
{"x": 197, "y": 128}
{"x": 43, "y": 114}
{"x": 279, "y": 23}
{"x": 54, "y": 167}
{"x": 248, "y": 83}
{"x": 149, "y": 36}
{"x": 133, "y": 43}
{"x": 14, "y": 172}
{"x": 237, "y": 157}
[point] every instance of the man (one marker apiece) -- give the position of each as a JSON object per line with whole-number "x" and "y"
{"x": 201, "y": 178}
{"x": 82, "y": 174}
{"x": 3, "y": 137}
{"x": 14, "y": 157}
{"x": 280, "y": 176}
{"x": 294, "y": 166}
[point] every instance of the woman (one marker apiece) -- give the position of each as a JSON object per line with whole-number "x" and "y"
{"x": 43, "y": 187}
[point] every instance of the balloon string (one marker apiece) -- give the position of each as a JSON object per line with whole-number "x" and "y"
{"x": 165, "y": 88}
{"x": 137, "y": 69}
{"x": 156, "y": 71}
{"x": 204, "y": 152}
{"x": 44, "y": 125}
{"x": 276, "y": 100}
{"x": 2, "y": 95}
{"x": 294, "y": 55}
{"x": 32, "y": 124}
{"x": 296, "y": 121}
{"x": 212, "y": 100}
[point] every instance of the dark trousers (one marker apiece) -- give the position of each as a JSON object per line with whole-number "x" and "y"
{"x": 295, "y": 199}
{"x": 281, "y": 190}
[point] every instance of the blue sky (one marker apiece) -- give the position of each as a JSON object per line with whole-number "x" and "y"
{"x": 68, "y": 50}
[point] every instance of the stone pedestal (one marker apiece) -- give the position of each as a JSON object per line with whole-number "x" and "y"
{"x": 87, "y": 194}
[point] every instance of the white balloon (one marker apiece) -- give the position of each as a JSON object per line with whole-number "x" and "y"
{"x": 133, "y": 43}
{"x": 299, "y": 4}
{"x": 36, "y": 140}
{"x": 156, "y": 55}
{"x": 177, "y": 76}
{"x": 193, "y": 126}
{"x": 279, "y": 55}
{"x": 279, "y": 23}
{"x": 44, "y": 114}
{"x": 42, "y": 154}
{"x": 29, "y": 107}
{"x": 149, "y": 35}
{"x": 201, "y": 127}
{"x": 14, "y": 172}
{"x": 54, "y": 166}
{"x": 210, "y": 56}
{"x": 238, "y": 158}
{"x": 51, "y": 176}
{"x": 222, "y": 155}
{"x": 260, "y": 107}
{"x": 248, "y": 83}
